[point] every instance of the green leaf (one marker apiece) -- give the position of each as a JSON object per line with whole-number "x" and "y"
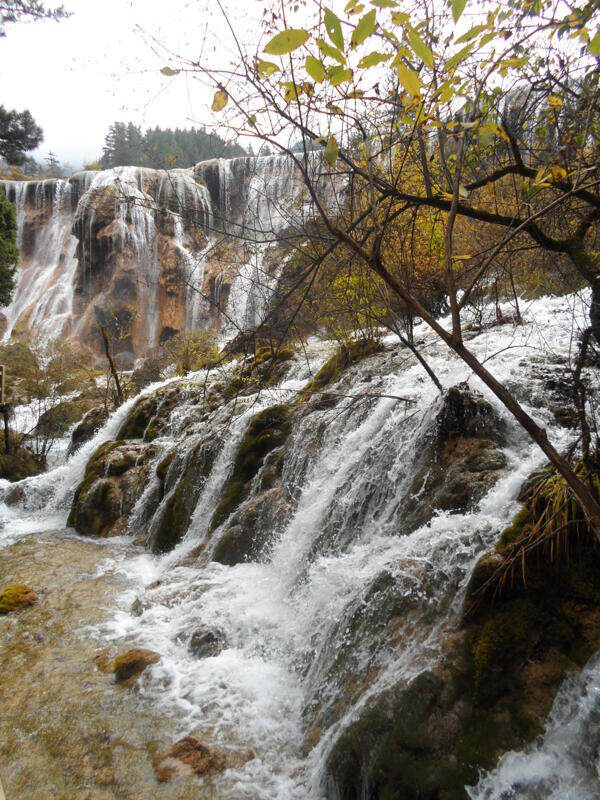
{"x": 169, "y": 72}
{"x": 458, "y": 6}
{"x": 337, "y": 75}
{"x": 334, "y": 29}
{"x": 462, "y": 191}
{"x": 331, "y": 151}
{"x": 420, "y": 48}
{"x": 287, "y": 41}
{"x": 400, "y": 17}
{"x": 366, "y": 26}
{"x": 373, "y": 59}
{"x": 456, "y": 59}
{"x": 330, "y": 51}
{"x": 384, "y": 3}
{"x": 315, "y": 68}
{"x": 220, "y": 100}
{"x": 266, "y": 68}
{"x": 409, "y": 79}
{"x": 594, "y": 45}
{"x": 471, "y": 34}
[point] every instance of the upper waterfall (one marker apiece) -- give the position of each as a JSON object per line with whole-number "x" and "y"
{"x": 147, "y": 247}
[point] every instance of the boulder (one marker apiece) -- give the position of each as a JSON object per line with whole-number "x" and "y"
{"x": 114, "y": 480}
{"x": 92, "y": 421}
{"x": 188, "y": 757}
{"x": 128, "y": 666}
{"x": 16, "y": 596}
{"x": 205, "y": 643}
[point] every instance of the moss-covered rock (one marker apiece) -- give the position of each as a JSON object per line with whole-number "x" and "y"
{"x": 57, "y": 420}
{"x": 347, "y": 354}
{"x": 92, "y": 421}
{"x": 139, "y": 417}
{"x": 19, "y": 463}
{"x": 268, "y": 430}
{"x": 115, "y": 477}
{"x": 182, "y": 479}
{"x": 16, "y": 596}
{"x": 491, "y": 689}
{"x": 250, "y": 529}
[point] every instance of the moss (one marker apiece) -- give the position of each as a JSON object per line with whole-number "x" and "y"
{"x": 503, "y": 639}
{"x": 514, "y": 531}
{"x": 268, "y": 430}
{"x": 57, "y": 420}
{"x": 347, "y": 354}
{"x": 18, "y": 464}
{"x": 16, "y": 596}
{"x": 139, "y": 417}
{"x": 179, "y": 506}
{"x": 93, "y": 471}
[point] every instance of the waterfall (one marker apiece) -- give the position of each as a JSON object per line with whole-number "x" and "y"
{"x": 346, "y": 600}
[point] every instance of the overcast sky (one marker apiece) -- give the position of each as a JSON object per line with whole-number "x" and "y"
{"x": 79, "y": 75}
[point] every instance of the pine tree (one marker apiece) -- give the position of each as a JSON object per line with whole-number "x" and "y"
{"x": 18, "y": 134}
{"x": 9, "y": 253}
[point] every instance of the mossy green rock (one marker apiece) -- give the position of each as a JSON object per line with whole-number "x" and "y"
{"x": 115, "y": 477}
{"x": 268, "y": 430}
{"x": 183, "y": 482}
{"x": 16, "y": 596}
{"x": 92, "y": 421}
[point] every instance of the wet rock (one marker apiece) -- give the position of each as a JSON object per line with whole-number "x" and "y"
{"x": 129, "y": 666}
{"x": 466, "y": 413}
{"x": 57, "y": 420}
{"x": 182, "y": 477}
{"x": 86, "y": 429}
{"x": 251, "y": 528}
{"x": 115, "y": 478}
{"x": 189, "y": 756}
{"x": 268, "y": 430}
{"x": 493, "y": 684}
{"x": 16, "y": 596}
{"x": 205, "y": 643}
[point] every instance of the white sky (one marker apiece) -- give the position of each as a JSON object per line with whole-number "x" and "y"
{"x": 80, "y": 75}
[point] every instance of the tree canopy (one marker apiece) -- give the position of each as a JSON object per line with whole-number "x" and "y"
{"x": 436, "y": 116}
{"x": 163, "y": 148}
{"x": 9, "y": 253}
{"x": 18, "y": 134}
{"x": 27, "y": 10}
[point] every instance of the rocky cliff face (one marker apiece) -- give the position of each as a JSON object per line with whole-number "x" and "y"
{"x": 152, "y": 253}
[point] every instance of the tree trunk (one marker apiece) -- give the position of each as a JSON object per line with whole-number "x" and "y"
{"x": 111, "y": 363}
{"x": 5, "y": 416}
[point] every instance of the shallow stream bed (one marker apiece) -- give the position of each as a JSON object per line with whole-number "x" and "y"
{"x": 67, "y": 730}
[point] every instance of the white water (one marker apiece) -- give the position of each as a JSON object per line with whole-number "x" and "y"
{"x": 57, "y": 217}
{"x": 285, "y": 618}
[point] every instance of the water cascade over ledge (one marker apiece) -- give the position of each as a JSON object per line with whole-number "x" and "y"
{"x": 161, "y": 251}
{"x": 300, "y": 564}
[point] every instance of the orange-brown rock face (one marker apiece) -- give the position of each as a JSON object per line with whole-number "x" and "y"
{"x": 150, "y": 253}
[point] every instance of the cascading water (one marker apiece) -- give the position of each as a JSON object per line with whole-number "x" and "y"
{"x": 301, "y": 624}
{"x": 74, "y": 233}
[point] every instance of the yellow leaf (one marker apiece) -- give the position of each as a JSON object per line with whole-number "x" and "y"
{"x": 220, "y": 100}
{"x": 331, "y": 151}
{"x": 287, "y": 41}
{"x": 409, "y": 80}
